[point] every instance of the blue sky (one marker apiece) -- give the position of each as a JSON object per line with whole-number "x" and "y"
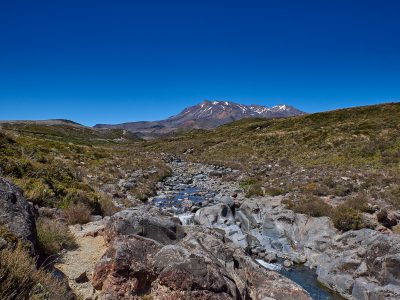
{"x": 115, "y": 61}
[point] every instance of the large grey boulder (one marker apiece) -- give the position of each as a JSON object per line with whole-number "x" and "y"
{"x": 215, "y": 214}
{"x": 17, "y": 215}
{"x": 144, "y": 221}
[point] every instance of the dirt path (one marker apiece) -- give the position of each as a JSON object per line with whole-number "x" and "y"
{"x": 78, "y": 265}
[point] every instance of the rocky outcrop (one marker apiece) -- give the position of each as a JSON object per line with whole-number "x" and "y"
{"x": 197, "y": 263}
{"x": 145, "y": 221}
{"x": 362, "y": 264}
{"x": 17, "y": 220}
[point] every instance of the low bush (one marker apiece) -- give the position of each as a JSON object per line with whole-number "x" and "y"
{"x": 312, "y": 206}
{"x": 248, "y": 181}
{"x": 254, "y": 190}
{"x": 317, "y": 189}
{"x": 343, "y": 189}
{"x": 392, "y": 195}
{"x": 20, "y": 279}
{"x": 272, "y": 191}
{"x": 359, "y": 203}
{"x": 345, "y": 218}
{"x": 107, "y": 206}
{"x": 78, "y": 213}
{"x": 7, "y": 235}
{"x": 53, "y": 236}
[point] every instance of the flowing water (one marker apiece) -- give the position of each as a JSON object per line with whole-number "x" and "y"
{"x": 303, "y": 276}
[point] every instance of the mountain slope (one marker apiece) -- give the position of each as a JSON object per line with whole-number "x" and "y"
{"x": 205, "y": 115}
{"x": 355, "y": 136}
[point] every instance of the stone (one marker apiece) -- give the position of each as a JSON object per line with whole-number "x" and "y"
{"x": 362, "y": 270}
{"x": 17, "y": 215}
{"x": 144, "y": 221}
{"x": 270, "y": 257}
{"x": 287, "y": 263}
{"x": 213, "y": 214}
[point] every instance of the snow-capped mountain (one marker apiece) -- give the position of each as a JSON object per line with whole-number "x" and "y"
{"x": 222, "y": 112}
{"x": 206, "y": 115}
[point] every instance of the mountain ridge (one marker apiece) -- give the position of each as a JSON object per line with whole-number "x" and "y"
{"x": 205, "y": 115}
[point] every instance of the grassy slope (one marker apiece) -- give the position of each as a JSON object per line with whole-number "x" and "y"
{"x": 62, "y": 164}
{"x": 338, "y": 154}
{"x": 360, "y": 137}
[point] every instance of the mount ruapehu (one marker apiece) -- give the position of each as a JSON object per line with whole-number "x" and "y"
{"x": 205, "y": 115}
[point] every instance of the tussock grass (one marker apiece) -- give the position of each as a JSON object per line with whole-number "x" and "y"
{"x": 20, "y": 279}
{"x": 78, "y": 213}
{"x": 53, "y": 237}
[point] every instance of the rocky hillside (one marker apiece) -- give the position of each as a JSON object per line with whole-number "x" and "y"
{"x": 205, "y": 115}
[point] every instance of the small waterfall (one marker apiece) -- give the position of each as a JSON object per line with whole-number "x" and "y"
{"x": 269, "y": 266}
{"x": 186, "y": 219}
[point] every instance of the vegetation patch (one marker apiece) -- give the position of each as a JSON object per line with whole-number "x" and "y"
{"x": 20, "y": 279}
{"x": 53, "y": 237}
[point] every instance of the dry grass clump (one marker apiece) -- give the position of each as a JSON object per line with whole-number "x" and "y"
{"x": 252, "y": 186}
{"x": 310, "y": 205}
{"x": 78, "y": 213}
{"x": 53, "y": 236}
{"x": 107, "y": 206}
{"x": 20, "y": 279}
{"x": 254, "y": 190}
{"x": 359, "y": 203}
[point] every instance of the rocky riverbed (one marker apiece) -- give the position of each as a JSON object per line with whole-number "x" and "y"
{"x": 201, "y": 238}
{"x": 360, "y": 264}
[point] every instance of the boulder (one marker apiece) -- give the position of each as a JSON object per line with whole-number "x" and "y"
{"x": 16, "y": 216}
{"x": 144, "y": 221}
{"x": 215, "y": 214}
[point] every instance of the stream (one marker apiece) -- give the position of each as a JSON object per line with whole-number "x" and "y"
{"x": 183, "y": 196}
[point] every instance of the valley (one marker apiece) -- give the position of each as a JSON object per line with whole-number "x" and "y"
{"x": 304, "y": 207}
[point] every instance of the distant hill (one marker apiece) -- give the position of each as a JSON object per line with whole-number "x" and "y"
{"x": 66, "y": 130}
{"x": 205, "y": 115}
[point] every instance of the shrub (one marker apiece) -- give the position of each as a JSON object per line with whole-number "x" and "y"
{"x": 317, "y": 189}
{"x": 393, "y": 196}
{"x": 35, "y": 190}
{"x": 77, "y": 214}
{"x": 345, "y": 218}
{"x": 359, "y": 203}
{"x": 87, "y": 198}
{"x": 7, "y": 235}
{"x": 53, "y": 236}
{"x": 254, "y": 190}
{"x": 272, "y": 191}
{"x": 248, "y": 181}
{"x": 20, "y": 279}
{"x": 312, "y": 206}
{"x": 342, "y": 189}
{"x": 108, "y": 207}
